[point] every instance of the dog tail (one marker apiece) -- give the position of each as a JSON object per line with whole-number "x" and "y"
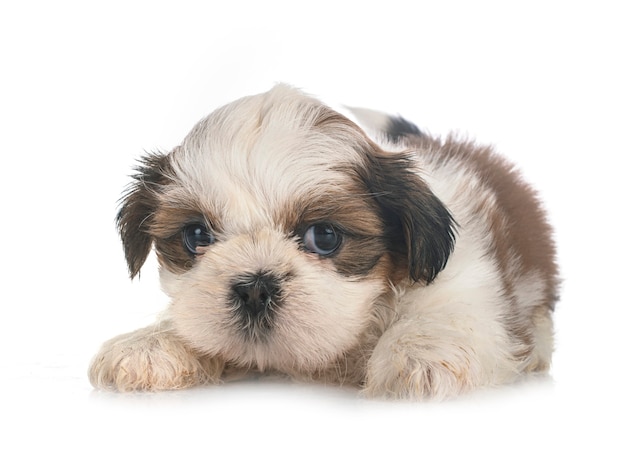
{"x": 393, "y": 128}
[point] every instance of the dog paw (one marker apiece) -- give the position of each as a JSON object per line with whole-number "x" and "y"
{"x": 417, "y": 367}
{"x": 150, "y": 359}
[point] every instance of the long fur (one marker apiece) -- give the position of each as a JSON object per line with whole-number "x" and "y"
{"x": 442, "y": 278}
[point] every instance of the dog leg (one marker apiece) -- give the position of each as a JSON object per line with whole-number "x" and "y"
{"x": 151, "y": 358}
{"x": 435, "y": 357}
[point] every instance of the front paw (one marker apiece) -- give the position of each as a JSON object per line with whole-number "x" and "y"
{"x": 152, "y": 358}
{"x": 418, "y": 367}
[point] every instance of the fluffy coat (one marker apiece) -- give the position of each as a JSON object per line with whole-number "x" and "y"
{"x": 290, "y": 240}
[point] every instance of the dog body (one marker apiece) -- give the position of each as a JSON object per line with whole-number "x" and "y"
{"x": 290, "y": 240}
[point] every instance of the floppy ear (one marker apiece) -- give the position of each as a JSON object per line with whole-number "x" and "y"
{"x": 420, "y": 227}
{"x": 137, "y": 209}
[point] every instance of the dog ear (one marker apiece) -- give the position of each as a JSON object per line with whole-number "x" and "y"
{"x": 420, "y": 227}
{"x": 137, "y": 209}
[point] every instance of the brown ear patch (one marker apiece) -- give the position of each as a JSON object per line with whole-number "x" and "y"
{"x": 138, "y": 207}
{"x": 420, "y": 229}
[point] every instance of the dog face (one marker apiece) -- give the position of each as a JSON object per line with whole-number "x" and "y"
{"x": 279, "y": 225}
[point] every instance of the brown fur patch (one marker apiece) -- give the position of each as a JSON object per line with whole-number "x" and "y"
{"x": 354, "y": 214}
{"x": 166, "y": 229}
{"x": 519, "y": 224}
{"x": 522, "y": 237}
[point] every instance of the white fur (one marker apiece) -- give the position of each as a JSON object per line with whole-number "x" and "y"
{"x": 261, "y": 163}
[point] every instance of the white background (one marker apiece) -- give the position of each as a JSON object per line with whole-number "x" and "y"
{"x": 86, "y": 87}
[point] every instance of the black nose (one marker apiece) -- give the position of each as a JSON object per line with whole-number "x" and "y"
{"x": 255, "y": 293}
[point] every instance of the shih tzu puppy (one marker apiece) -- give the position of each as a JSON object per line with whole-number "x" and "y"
{"x": 291, "y": 241}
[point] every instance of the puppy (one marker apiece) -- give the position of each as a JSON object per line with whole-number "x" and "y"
{"x": 291, "y": 241}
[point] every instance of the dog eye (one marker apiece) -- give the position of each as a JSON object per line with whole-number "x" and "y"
{"x": 321, "y": 239}
{"x": 196, "y": 236}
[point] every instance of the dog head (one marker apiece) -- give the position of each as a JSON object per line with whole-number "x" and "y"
{"x": 278, "y": 225}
